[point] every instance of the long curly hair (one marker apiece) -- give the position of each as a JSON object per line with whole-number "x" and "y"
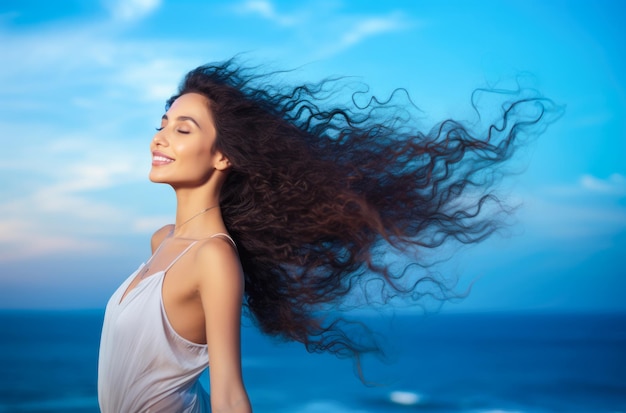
{"x": 323, "y": 198}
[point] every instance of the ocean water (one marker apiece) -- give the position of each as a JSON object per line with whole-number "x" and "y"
{"x": 438, "y": 363}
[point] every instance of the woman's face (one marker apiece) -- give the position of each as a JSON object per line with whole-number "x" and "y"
{"x": 183, "y": 149}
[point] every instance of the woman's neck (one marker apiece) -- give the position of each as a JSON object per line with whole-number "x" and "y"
{"x": 197, "y": 212}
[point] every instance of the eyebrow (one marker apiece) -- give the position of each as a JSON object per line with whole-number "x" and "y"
{"x": 183, "y": 118}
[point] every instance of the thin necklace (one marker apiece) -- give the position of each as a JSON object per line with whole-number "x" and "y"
{"x": 145, "y": 270}
{"x": 197, "y": 215}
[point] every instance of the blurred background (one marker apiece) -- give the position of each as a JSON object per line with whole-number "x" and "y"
{"x": 83, "y": 85}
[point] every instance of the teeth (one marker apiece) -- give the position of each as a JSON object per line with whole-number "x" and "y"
{"x": 161, "y": 159}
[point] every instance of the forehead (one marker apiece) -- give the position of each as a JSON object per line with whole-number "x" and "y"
{"x": 193, "y": 105}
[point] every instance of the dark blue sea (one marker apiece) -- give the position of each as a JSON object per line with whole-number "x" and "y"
{"x": 437, "y": 363}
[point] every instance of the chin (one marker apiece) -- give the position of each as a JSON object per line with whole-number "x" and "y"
{"x": 157, "y": 179}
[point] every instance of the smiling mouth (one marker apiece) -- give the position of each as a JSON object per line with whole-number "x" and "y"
{"x": 161, "y": 159}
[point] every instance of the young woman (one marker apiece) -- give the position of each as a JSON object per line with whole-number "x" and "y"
{"x": 287, "y": 204}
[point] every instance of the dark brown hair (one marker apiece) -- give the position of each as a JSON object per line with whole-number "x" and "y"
{"x": 321, "y": 195}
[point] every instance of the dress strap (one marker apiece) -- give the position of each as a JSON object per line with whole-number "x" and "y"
{"x": 180, "y": 255}
{"x": 226, "y": 236}
{"x": 155, "y": 253}
{"x": 219, "y": 234}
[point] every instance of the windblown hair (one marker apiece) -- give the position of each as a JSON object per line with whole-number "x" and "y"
{"x": 319, "y": 192}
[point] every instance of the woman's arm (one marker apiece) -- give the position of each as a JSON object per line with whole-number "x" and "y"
{"x": 221, "y": 287}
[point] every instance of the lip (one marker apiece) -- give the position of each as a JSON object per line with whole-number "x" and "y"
{"x": 160, "y": 159}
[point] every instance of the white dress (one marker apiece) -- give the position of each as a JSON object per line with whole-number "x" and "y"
{"x": 144, "y": 365}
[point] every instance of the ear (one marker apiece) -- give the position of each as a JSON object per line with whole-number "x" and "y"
{"x": 222, "y": 163}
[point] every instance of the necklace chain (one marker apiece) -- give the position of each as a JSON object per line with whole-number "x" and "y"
{"x": 197, "y": 215}
{"x": 146, "y": 268}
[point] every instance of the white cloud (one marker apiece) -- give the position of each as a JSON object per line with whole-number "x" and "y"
{"x": 51, "y": 53}
{"x": 588, "y": 210}
{"x": 60, "y": 209}
{"x": 45, "y": 62}
{"x": 361, "y": 28}
{"x": 87, "y": 176}
{"x": 266, "y": 10}
{"x": 373, "y": 26}
{"x": 154, "y": 79}
{"x": 76, "y": 122}
{"x": 69, "y": 94}
{"x": 588, "y": 186}
{"x": 572, "y": 220}
{"x": 323, "y": 31}
{"x": 130, "y": 10}
{"x": 614, "y": 185}
{"x": 149, "y": 224}
{"x": 25, "y": 238}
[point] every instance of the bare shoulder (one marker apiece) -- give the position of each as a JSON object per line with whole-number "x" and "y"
{"x": 159, "y": 235}
{"x": 216, "y": 261}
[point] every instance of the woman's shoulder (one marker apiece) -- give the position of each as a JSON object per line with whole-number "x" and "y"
{"x": 218, "y": 248}
{"x": 159, "y": 235}
{"x": 216, "y": 257}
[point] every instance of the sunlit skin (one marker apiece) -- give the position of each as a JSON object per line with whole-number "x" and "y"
{"x": 202, "y": 292}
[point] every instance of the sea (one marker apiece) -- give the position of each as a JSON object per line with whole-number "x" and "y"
{"x": 480, "y": 362}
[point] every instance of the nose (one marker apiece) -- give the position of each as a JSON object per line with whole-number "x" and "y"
{"x": 159, "y": 138}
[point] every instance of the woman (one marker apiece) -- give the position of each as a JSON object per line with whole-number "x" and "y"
{"x": 286, "y": 206}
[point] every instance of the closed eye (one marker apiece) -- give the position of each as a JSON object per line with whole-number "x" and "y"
{"x": 184, "y": 132}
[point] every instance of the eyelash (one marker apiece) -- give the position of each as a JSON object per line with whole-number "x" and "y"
{"x": 178, "y": 130}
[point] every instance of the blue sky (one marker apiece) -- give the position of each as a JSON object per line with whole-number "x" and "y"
{"x": 84, "y": 83}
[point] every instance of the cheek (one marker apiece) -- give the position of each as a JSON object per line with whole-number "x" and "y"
{"x": 195, "y": 153}
{"x": 202, "y": 161}
{"x": 204, "y": 155}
